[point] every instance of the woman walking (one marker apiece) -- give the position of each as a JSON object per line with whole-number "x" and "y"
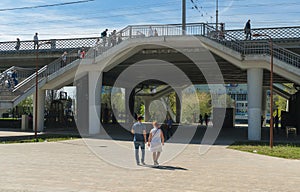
{"x": 155, "y": 142}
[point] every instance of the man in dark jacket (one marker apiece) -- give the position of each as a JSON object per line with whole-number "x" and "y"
{"x": 247, "y": 30}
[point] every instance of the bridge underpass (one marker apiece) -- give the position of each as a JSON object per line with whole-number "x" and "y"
{"x": 231, "y": 72}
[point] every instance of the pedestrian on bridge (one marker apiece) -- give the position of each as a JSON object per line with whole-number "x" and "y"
{"x": 36, "y": 41}
{"x": 247, "y": 30}
{"x": 18, "y": 44}
{"x": 104, "y": 36}
{"x": 64, "y": 59}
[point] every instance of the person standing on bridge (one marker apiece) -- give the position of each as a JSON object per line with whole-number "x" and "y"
{"x": 104, "y": 36}
{"x": 150, "y": 32}
{"x": 18, "y": 44}
{"x": 64, "y": 59}
{"x": 35, "y": 41}
{"x": 247, "y": 30}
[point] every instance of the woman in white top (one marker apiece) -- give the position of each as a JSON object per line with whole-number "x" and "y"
{"x": 155, "y": 142}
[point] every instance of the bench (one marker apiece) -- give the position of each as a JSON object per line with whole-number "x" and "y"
{"x": 290, "y": 129}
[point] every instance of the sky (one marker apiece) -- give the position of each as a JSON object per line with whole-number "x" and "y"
{"x": 88, "y": 18}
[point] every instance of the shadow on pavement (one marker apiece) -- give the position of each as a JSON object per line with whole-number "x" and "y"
{"x": 165, "y": 167}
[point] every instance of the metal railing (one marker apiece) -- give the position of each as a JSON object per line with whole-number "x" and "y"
{"x": 146, "y": 31}
{"x": 280, "y": 33}
{"x": 44, "y": 72}
{"x": 51, "y": 45}
{"x": 254, "y": 47}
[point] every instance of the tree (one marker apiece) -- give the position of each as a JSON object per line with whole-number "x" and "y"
{"x": 25, "y": 106}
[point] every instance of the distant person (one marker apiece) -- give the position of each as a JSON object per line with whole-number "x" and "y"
{"x": 104, "y": 36}
{"x": 96, "y": 47}
{"x": 105, "y": 114}
{"x": 119, "y": 38}
{"x": 150, "y": 32}
{"x": 222, "y": 31}
{"x": 64, "y": 59}
{"x": 247, "y": 30}
{"x": 114, "y": 38}
{"x": 262, "y": 120}
{"x": 206, "y": 119}
{"x": 155, "y": 142}
{"x": 155, "y": 33}
{"x": 169, "y": 131}
{"x": 276, "y": 122}
{"x": 139, "y": 138}
{"x": 35, "y": 41}
{"x": 14, "y": 77}
{"x": 18, "y": 44}
{"x": 200, "y": 119}
{"x": 114, "y": 115}
{"x": 82, "y": 53}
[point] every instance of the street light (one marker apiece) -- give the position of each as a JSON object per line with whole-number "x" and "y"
{"x": 36, "y": 88}
{"x": 217, "y": 14}
{"x": 271, "y": 85}
{"x": 183, "y": 17}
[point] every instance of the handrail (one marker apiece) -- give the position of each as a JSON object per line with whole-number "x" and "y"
{"x": 251, "y": 47}
{"x": 49, "y": 45}
{"x": 275, "y": 32}
{"x": 31, "y": 77}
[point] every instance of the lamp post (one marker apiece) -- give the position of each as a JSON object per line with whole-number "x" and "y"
{"x": 217, "y": 14}
{"x": 183, "y": 17}
{"x": 36, "y": 92}
{"x": 37, "y": 89}
{"x": 271, "y": 85}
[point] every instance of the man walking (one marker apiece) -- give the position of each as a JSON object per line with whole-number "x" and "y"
{"x": 36, "y": 41}
{"x": 247, "y": 30}
{"x": 104, "y": 36}
{"x": 139, "y": 139}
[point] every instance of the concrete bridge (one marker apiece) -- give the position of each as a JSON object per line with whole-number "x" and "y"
{"x": 203, "y": 55}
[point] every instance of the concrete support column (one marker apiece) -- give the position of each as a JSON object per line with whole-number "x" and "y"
{"x": 255, "y": 81}
{"x": 88, "y": 100}
{"x": 40, "y": 110}
{"x": 94, "y": 101}
{"x": 147, "y": 102}
{"x": 178, "y": 106}
{"x": 264, "y": 104}
{"x": 129, "y": 105}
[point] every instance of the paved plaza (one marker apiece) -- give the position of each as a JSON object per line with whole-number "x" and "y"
{"x": 76, "y": 166}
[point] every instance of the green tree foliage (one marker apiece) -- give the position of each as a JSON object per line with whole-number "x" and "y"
{"x": 26, "y": 106}
{"x": 280, "y": 104}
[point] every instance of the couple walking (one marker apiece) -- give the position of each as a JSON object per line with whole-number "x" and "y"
{"x": 155, "y": 140}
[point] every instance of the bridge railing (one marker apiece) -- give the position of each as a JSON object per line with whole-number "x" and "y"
{"x": 50, "y": 45}
{"x": 6, "y": 79}
{"x": 275, "y": 32}
{"x": 135, "y": 31}
{"x": 140, "y": 31}
{"x": 250, "y": 47}
{"x": 226, "y": 38}
{"x": 263, "y": 47}
{"x": 30, "y": 80}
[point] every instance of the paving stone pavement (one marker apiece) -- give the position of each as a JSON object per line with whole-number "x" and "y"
{"x": 72, "y": 166}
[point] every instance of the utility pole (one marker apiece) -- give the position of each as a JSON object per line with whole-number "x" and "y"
{"x": 183, "y": 17}
{"x": 217, "y": 14}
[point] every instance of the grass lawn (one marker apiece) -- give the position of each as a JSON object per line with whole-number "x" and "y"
{"x": 283, "y": 150}
{"x": 40, "y": 138}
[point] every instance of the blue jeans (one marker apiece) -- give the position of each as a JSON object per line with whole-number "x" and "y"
{"x": 137, "y": 145}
